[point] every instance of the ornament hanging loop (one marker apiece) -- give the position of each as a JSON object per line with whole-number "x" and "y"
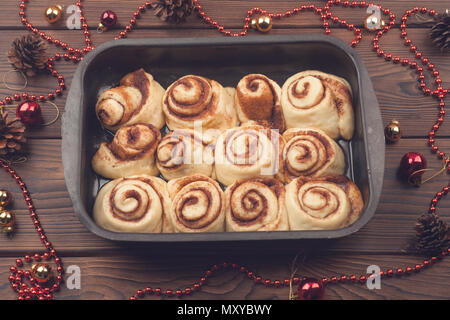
{"x": 412, "y": 179}
{"x": 5, "y": 83}
{"x": 55, "y": 118}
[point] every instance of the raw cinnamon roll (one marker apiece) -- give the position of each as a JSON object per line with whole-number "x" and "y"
{"x": 325, "y": 203}
{"x": 193, "y": 99}
{"x": 310, "y": 152}
{"x": 258, "y": 98}
{"x": 184, "y": 152}
{"x": 131, "y": 152}
{"x": 256, "y": 204}
{"x": 197, "y": 204}
{"x": 138, "y": 99}
{"x": 136, "y": 204}
{"x": 313, "y": 99}
{"x": 246, "y": 152}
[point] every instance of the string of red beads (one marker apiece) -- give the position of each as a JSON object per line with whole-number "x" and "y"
{"x": 19, "y": 277}
{"x": 257, "y": 279}
{"x": 76, "y": 54}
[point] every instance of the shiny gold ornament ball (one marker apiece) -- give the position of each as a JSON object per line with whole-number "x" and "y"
{"x": 53, "y": 13}
{"x": 101, "y": 27}
{"x": 393, "y": 132}
{"x": 372, "y": 23}
{"x": 8, "y": 230}
{"x": 264, "y": 23}
{"x": 42, "y": 272}
{"x": 5, "y": 198}
{"x": 6, "y": 218}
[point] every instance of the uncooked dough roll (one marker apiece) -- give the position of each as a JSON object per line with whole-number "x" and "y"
{"x": 132, "y": 152}
{"x": 325, "y": 203}
{"x": 185, "y": 152}
{"x": 258, "y": 99}
{"x": 256, "y": 204}
{"x": 310, "y": 152}
{"x": 249, "y": 151}
{"x": 197, "y": 204}
{"x": 194, "y": 100}
{"x": 314, "y": 99}
{"x": 135, "y": 204}
{"x": 138, "y": 99}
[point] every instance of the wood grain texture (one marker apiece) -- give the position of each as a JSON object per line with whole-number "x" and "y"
{"x": 119, "y": 277}
{"x": 230, "y": 13}
{"x": 114, "y": 270}
{"x": 396, "y": 88}
{"x": 388, "y": 231}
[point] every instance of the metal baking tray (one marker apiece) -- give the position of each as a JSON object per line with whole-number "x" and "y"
{"x": 226, "y": 60}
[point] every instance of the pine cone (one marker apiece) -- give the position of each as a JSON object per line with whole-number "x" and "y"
{"x": 12, "y": 135}
{"x": 27, "y": 54}
{"x": 432, "y": 235}
{"x": 440, "y": 32}
{"x": 173, "y": 10}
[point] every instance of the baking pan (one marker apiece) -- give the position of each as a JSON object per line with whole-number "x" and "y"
{"x": 226, "y": 60}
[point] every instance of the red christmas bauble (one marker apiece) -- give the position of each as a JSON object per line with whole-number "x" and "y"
{"x": 108, "y": 18}
{"x": 410, "y": 164}
{"x": 310, "y": 289}
{"x": 29, "y": 112}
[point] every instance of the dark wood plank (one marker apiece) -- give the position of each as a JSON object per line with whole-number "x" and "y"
{"x": 388, "y": 231}
{"x": 396, "y": 89}
{"x": 230, "y": 13}
{"x": 119, "y": 277}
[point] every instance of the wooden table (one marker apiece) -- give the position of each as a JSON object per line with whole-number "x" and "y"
{"x": 114, "y": 271}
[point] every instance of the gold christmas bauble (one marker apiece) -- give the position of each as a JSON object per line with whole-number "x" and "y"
{"x": 101, "y": 27}
{"x": 372, "y": 23}
{"x": 5, "y": 198}
{"x": 42, "y": 272}
{"x": 393, "y": 131}
{"x": 253, "y": 23}
{"x": 8, "y": 230}
{"x": 6, "y": 218}
{"x": 53, "y": 13}
{"x": 264, "y": 23}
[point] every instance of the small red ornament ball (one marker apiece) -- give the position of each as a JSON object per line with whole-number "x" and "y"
{"x": 413, "y": 162}
{"x": 310, "y": 289}
{"x": 108, "y": 18}
{"x": 29, "y": 112}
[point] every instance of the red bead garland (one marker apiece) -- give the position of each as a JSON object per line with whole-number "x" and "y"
{"x": 19, "y": 278}
{"x": 327, "y": 18}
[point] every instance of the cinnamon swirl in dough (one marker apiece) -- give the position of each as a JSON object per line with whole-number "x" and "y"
{"x": 136, "y": 204}
{"x": 185, "y": 152}
{"x": 256, "y": 204}
{"x": 197, "y": 100}
{"x": 314, "y": 99}
{"x": 258, "y": 98}
{"x": 138, "y": 99}
{"x": 249, "y": 151}
{"x": 131, "y": 152}
{"x": 197, "y": 204}
{"x": 310, "y": 152}
{"x": 325, "y": 203}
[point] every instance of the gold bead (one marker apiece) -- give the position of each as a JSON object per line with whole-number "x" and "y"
{"x": 393, "y": 131}
{"x": 372, "y": 23}
{"x": 253, "y": 23}
{"x": 6, "y": 218}
{"x": 5, "y": 198}
{"x": 101, "y": 27}
{"x": 8, "y": 230}
{"x": 53, "y": 13}
{"x": 42, "y": 272}
{"x": 264, "y": 24}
